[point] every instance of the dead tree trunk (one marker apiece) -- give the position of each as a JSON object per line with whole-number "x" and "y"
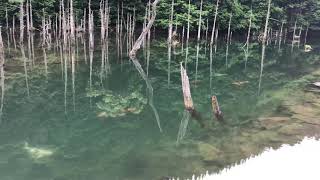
{"x": 21, "y": 23}
{"x": 137, "y": 44}
{"x": 281, "y": 34}
{"x": 91, "y": 38}
{"x": 30, "y": 15}
{"x": 188, "y": 26}
{"x": 216, "y": 108}
{"x": 1, "y": 49}
{"x": 72, "y": 23}
{"x": 188, "y": 103}
{"x": 170, "y": 24}
{"x": 264, "y": 45}
{"x": 306, "y": 35}
{"x": 132, "y": 55}
{"x": 229, "y": 29}
{"x": 199, "y": 22}
{"x": 214, "y": 22}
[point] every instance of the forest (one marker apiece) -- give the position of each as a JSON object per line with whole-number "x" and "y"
{"x": 305, "y": 13}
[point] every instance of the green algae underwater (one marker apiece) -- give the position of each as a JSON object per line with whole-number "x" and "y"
{"x": 81, "y": 115}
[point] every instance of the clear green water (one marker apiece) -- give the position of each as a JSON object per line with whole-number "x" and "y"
{"x": 67, "y": 129}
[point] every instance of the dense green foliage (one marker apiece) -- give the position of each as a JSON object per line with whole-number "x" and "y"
{"x": 304, "y": 12}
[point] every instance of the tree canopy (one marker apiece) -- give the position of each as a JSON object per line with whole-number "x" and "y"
{"x": 304, "y": 12}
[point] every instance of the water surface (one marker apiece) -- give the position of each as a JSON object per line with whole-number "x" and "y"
{"x": 67, "y": 116}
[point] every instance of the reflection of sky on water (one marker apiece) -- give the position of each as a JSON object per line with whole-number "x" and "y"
{"x": 299, "y": 161}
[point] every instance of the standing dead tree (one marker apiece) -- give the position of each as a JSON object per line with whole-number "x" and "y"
{"x": 264, "y": 39}
{"x": 200, "y": 21}
{"x": 132, "y": 55}
{"x": 1, "y": 73}
{"x": 21, "y": 23}
{"x": 1, "y": 49}
{"x": 72, "y": 23}
{"x": 187, "y": 99}
{"x": 170, "y": 24}
{"x": 214, "y": 22}
{"x": 91, "y": 26}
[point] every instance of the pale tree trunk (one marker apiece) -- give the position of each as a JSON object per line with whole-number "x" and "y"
{"x": 27, "y": 16}
{"x": 229, "y": 29}
{"x": 102, "y": 20}
{"x": 306, "y": 35}
{"x": 91, "y": 38}
{"x": 281, "y": 35}
{"x": 21, "y": 23}
{"x": 2, "y": 74}
{"x": 188, "y": 26}
{"x": 171, "y": 23}
{"x": 199, "y": 22}
{"x": 7, "y": 21}
{"x": 299, "y": 36}
{"x": 264, "y": 46}
{"x": 214, "y": 22}
{"x": 132, "y": 55}
{"x": 14, "y": 31}
{"x": 293, "y": 35}
{"x": 248, "y": 40}
{"x": 30, "y": 15}
{"x": 72, "y": 23}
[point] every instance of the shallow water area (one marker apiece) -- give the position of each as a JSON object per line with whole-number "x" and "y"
{"x": 75, "y": 114}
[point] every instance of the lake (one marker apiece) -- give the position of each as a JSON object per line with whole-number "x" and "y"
{"x": 72, "y": 114}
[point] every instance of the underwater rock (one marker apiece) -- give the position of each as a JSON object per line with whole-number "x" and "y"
{"x": 291, "y": 129}
{"x": 316, "y": 84}
{"x": 266, "y": 137}
{"x": 307, "y": 48}
{"x": 300, "y": 130}
{"x": 272, "y": 122}
{"x": 306, "y": 113}
{"x": 302, "y": 109}
{"x": 102, "y": 115}
{"x": 240, "y": 83}
{"x": 307, "y": 118}
{"x": 37, "y": 153}
{"x": 208, "y": 152}
{"x": 249, "y": 149}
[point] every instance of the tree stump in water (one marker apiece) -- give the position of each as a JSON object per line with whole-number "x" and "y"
{"x": 188, "y": 103}
{"x": 216, "y": 109}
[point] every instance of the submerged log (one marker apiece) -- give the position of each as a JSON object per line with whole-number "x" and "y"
{"x": 216, "y": 108}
